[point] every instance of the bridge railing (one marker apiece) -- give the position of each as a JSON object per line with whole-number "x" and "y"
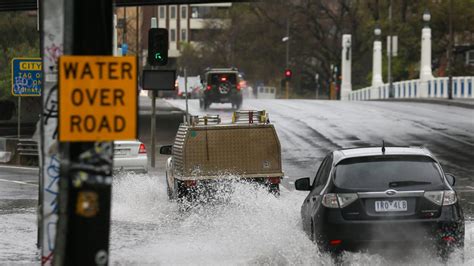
{"x": 463, "y": 87}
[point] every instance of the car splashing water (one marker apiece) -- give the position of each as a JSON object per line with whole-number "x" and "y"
{"x": 246, "y": 227}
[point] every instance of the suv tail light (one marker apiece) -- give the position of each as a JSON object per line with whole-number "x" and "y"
{"x": 208, "y": 87}
{"x": 441, "y": 198}
{"x": 332, "y": 200}
{"x": 238, "y": 86}
{"x": 142, "y": 148}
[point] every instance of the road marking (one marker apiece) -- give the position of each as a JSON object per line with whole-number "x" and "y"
{"x": 18, "y": 167}
{"x": 18, "y": 182}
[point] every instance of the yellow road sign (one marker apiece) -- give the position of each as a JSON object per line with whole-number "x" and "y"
{"x": 97, "y": 98}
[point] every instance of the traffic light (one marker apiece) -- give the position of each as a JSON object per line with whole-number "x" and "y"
{"x": 157, "y": 47}
{"x": 288, "y": 74}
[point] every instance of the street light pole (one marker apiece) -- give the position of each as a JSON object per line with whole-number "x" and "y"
{"x": 450, "y": 51}
{"x": 390, "y": 85}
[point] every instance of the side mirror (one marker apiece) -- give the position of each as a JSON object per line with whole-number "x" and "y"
{"x": 451, "y": 179}
{"x": 303, "y": 184}
{"x": 166, "y": 150}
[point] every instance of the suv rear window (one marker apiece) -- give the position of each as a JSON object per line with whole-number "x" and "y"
{"x": 217, "y": 78}
{"x": 388, "y": 172}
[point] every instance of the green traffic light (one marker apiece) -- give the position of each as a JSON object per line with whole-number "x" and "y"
{"x": 158, "y": 56}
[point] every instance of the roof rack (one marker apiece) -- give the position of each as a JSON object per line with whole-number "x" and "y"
{"x": 250, "y": 117}
{"x": 205, "y": 120}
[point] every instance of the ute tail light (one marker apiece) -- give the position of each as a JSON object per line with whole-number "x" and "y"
{"x": 335, "y": 242}
{"x": 142, "y": 148}
{"x": 190, "y": 183}
{"x": 274, "y": 180}
{"x": 208, "y": 87}
{"x": 441, "y": 198}
{"x": 341, "y": 200}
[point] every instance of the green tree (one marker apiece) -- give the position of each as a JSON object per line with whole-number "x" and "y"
{"x": 19, "y": 38}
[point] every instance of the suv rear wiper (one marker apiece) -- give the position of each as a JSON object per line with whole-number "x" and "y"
{"x": 407, "y": 183}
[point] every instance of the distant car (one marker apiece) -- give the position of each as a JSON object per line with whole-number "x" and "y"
{"x": 266, "y": 92}
{"x": 130, "y": 156}
{"x": 221, "y": 85}
{"x": 365, "y": 196}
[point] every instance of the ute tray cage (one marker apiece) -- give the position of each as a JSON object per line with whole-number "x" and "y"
{"x": 248, "y": 147}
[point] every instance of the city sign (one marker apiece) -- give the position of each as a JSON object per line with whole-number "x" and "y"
{"x": 26, "y": 76}
{"x": 97, "y": 98}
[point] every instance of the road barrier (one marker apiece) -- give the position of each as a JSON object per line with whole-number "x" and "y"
{"x": 463, "y": 88}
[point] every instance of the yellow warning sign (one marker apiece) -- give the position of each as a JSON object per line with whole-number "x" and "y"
{"x": 97, "y": 98}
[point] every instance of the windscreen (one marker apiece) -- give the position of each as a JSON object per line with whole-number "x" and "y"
{"x": 388, "y": 172}
{"x": 217, "y": 78}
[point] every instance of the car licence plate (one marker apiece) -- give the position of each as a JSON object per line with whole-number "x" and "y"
{"x": 120, "y": 152}
{"x": 391, "y": 205}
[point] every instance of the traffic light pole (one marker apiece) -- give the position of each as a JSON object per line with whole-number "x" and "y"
{"x": 153, "y": 128}
{"x": 85, "y": 181}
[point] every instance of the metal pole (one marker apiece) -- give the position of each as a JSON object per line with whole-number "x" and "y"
{"x": 186, "y": 94}
{"x": 137, "y": 41}
{"x": 287, "y": 83}
{"x": 390, "y": 87}
{"x": 19, "y": 118}
{"x": 153, "y": 128}
{"x": 154, "y": 24}
{"x": 124, "y": 35}
{"x": 450, "y": 51}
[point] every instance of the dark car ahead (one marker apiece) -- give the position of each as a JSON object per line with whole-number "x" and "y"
{"x": 373, "y": 196}
{"x": 221, "y": 85}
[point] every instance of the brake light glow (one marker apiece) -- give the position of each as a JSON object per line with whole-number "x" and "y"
{"x": 274, "y": 180}
{"x": 223, "y": 79}
{"x": 441, "y": 198}
{"x": 448, "y": 239}
{"x": 208, "y": 87}
{"x": 142, "y": 148}
{"x": 335, "y": 242}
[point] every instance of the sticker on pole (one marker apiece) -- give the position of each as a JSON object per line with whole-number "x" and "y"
{"x": 26, "y": 76}
{"x": 97, "y": 98}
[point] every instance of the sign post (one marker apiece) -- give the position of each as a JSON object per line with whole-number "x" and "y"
{"x": 156, "y": 80}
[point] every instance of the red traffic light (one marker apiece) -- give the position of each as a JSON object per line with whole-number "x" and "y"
{"x": 288, "y": 73}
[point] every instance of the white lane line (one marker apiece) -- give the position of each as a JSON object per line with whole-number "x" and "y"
{"x": 18, "y": 167}
{"x": 18, "y": 182}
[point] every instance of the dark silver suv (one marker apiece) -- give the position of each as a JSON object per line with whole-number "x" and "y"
{"x": 384, "y": 196}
